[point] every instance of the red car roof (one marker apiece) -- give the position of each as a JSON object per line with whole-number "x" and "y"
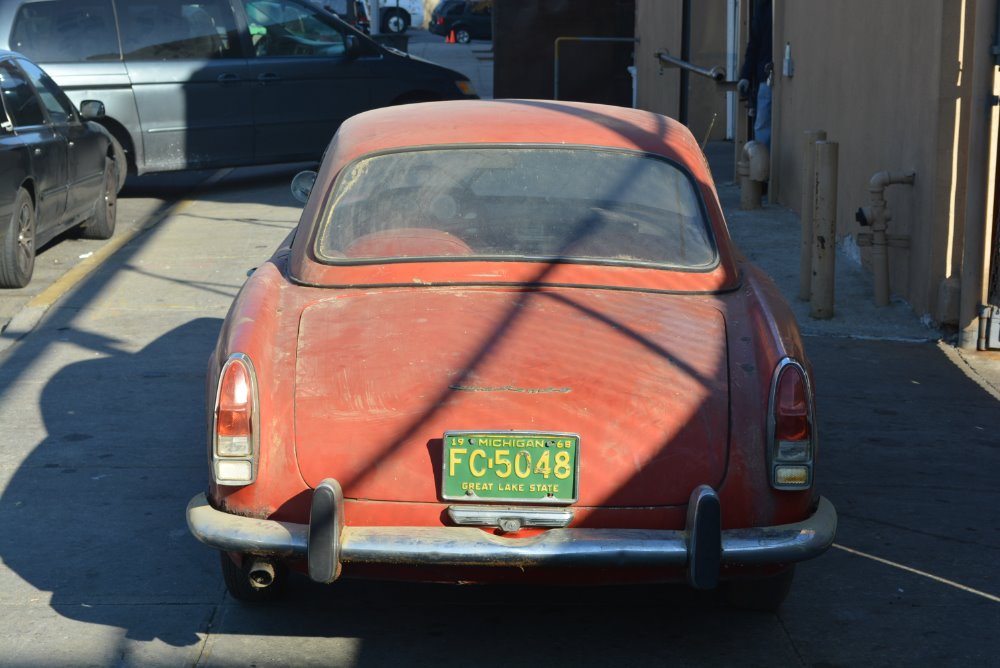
{"x": 513, "y": 122}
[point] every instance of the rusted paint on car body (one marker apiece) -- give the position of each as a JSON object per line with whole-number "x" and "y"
{"x": 517, "y": 123}
{"x": 362, "y": 367}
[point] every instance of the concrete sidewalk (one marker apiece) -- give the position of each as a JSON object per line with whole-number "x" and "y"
{"x": 769, "y": 237}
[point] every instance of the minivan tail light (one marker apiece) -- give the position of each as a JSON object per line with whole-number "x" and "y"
{"x": 791, "y": 429}
{"x": 234, "y": 450}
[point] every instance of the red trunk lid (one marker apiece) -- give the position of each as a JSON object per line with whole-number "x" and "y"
{"x": 641, "y": 377}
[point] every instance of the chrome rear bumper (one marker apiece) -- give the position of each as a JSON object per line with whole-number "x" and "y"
{"x": 700, "y": 548}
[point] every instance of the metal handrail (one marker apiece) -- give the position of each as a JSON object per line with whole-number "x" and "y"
{"x": 717, "y": 74}
{"x": 555, "y": 78}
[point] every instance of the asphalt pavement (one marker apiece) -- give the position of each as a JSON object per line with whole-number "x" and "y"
{"x": 475, "y": 59}
{"x": 103, "y": 444}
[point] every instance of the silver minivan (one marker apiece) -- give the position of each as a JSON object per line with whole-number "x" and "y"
{"x": 190, "y": 84}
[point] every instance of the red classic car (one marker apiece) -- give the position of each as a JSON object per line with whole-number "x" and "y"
{"x": 512, "y": 341}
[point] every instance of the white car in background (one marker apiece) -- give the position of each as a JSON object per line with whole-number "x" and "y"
{"x": 398, "y": 15}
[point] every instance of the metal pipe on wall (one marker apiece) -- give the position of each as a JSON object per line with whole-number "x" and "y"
{"x": 732, "y": 65}
{"x": 878, "y": 216}
{"x": 778, "y": 84}
{"x": 982, "y": 164}
{"x": 683, "y": 103}
{"x": 742, "y": 27}
{"x": 716, "y": 74}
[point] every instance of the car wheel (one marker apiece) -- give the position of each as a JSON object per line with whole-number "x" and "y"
{"x": 763, "y": 594}
{"x": 121, "y": 163}
{"x": 462, "y": 36}
{"x": 102, "y": 225}
{"x": 17, "y": 248}
{"x": 395, "y": 22}
{"x": 239, "y": 586}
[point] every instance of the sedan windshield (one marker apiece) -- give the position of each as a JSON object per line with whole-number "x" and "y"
{"x": 517, "y": 203}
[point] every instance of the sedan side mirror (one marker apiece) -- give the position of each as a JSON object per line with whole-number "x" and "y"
{"x": 92, "y": 109}
{"x": 302, "y": 185}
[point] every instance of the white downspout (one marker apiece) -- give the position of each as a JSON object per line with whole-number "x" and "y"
{"x": 732, "y": 64}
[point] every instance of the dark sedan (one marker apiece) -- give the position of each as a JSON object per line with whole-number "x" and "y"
{"x": 466, "y": 20}
{"x": 57, "y": 169}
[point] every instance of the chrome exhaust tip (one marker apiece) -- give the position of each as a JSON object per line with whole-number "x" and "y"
{"x": 261, "y": 574}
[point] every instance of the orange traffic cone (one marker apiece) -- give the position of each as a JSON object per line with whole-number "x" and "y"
{"x": 450, "y": 39}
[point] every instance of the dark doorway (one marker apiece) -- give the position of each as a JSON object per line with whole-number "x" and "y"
{"x": 524, "y": 49}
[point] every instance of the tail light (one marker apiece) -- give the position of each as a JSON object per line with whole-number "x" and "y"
{"x": 791, "y": 430}
{"x": 440, "y": 20}
{"x": 234, "y": 443}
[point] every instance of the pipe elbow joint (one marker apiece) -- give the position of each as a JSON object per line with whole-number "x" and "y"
{"x": 880, "y": 180}
{"x": 759, "y": 159}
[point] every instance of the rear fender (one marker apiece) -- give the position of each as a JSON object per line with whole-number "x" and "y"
{"x": 262, "y": 325}
{"x": 762, "y": 331}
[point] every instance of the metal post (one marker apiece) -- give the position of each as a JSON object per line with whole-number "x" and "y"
{"x": 880, "y": 247}
{"x": 682, "y": 114}
{"x": 806, "y": 215}
{"x": 825, "y": 230}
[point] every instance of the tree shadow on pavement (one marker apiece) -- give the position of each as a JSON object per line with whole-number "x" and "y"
{"x": 95, "y": 513}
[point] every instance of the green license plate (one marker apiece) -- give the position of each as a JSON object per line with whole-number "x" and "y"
{"x": 529, "y": 467}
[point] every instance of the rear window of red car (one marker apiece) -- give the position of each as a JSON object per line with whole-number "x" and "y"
{"x": 572, "y": 204}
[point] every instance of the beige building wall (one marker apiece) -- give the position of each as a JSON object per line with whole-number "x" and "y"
{"x": 707, "y": 100}
{"x": 658, "y": 27}
{"x": 890, "y": 81}
{"x": 884, "y": 79}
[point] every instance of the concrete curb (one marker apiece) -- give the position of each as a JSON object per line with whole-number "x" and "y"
{"x": 25, "y": 320}
{"x": 982, "y": 367}
{"x": 28, "y": 318}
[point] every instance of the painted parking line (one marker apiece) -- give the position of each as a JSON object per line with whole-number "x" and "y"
{"x": 74, "y": 276}
{"x": 908, "y": 569}
{"x": 27, "y": 318}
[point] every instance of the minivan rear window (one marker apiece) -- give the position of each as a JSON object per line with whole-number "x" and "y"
{"x": 62, "y": 31}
